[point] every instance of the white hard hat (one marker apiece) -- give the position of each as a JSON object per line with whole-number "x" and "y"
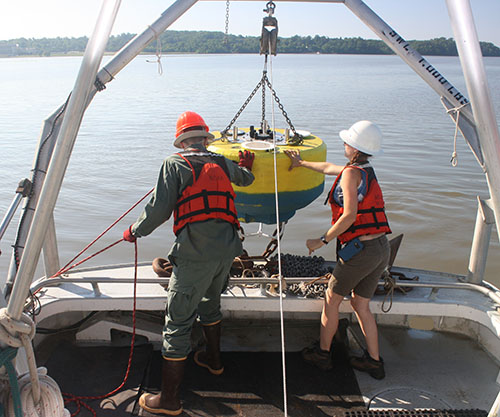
{"x": 364, "y": 136}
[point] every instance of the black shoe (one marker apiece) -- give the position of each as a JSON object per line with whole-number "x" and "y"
{"x": 367, "y": 364}
{"x": 317, "y": 357}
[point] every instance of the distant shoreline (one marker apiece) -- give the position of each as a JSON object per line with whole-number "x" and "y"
{"x": 80, "y": 54}
{"x": 203, "y": 42}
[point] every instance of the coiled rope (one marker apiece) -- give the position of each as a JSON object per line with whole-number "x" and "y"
{"x": 33, "y": 394}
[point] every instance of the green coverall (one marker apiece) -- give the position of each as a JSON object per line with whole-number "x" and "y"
{"x": 201, "y": 255}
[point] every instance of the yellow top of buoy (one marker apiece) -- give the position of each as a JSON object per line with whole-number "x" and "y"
{"x": 312, "y": 149}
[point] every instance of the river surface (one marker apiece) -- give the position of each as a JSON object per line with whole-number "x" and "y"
{"x": 129, "y": 129}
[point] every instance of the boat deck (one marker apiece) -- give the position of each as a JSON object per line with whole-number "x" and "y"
{"x": 438, "y": 347}
{"x": 425, "y": 370}
{"x": 250, "y": 386}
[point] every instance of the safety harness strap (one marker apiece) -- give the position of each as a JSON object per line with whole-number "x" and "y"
{"x": 7, "y": 355}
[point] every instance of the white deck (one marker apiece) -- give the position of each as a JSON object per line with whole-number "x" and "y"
{"x": 439, "y": 348}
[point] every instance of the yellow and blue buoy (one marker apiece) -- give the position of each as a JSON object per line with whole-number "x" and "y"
{"x": 296, "y": 188}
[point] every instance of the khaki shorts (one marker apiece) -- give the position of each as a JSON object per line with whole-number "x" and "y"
{"x": 362, "y": 272}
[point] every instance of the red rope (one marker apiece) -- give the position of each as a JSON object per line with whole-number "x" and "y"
{"x": 78, "y": 400}
{"x": 66, "y": 269}
{"x": 69, "y": 398}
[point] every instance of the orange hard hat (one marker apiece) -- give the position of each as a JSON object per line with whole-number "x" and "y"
{"x": 190, "y": 124}
{"x": 189, "y": 119}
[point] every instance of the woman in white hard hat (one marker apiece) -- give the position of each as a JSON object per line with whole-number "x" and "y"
{"x": 360, "y": 225}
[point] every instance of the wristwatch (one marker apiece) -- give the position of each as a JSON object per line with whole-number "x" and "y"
{"x": 323, "y": 239}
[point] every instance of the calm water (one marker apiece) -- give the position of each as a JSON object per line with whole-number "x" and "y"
{"x": 129, "y": 128}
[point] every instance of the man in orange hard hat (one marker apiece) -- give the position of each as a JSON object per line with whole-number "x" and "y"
{"x": 195, "y": 185}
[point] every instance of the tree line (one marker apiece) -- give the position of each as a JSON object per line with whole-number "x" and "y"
{"x": 204, "y": 42}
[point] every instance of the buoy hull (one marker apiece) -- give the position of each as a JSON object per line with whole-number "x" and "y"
{"x": 296, "y": 188}
{"x": 261, "y": 207}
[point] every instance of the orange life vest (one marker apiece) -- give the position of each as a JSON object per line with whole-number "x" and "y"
{"x": 371, "y": 218}
{"x": 211, "y": 195}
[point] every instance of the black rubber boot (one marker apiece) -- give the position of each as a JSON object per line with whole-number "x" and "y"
{"x": 167, "y": 402}
{"x": 210, "y": 358}
{"x": 317, "y": 357}
{"x": 367, "y": 364}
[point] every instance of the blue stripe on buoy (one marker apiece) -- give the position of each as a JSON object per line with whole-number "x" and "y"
{"x": 261, "y": 208}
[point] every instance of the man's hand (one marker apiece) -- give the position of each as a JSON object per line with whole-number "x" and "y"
{"x": 246, "y": 159}
{"x": 128, "y": 236}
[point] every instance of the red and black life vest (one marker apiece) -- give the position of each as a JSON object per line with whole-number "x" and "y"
{"x": 211, "y": 195}
{"x": 371, "y": 218}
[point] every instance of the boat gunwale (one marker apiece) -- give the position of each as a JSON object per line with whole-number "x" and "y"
{"x": 484, "y": 288}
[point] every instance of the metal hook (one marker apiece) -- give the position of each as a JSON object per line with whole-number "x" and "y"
{"x": 270, "y": 6}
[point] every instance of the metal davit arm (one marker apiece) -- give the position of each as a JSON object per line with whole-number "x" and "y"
{"x": 136, "y": 45}
{"x": 453, "y": 97}
{"x": 478, "y": 125}
{"x": 469, "y": 51}
{"x": 106, "y": 74}
{"x": 57, "y": 168}
{"x": 53, "y": 125}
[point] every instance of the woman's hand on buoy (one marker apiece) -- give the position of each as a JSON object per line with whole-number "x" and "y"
{"x": 295, "y": 158}
{"x": 313, "y": 244}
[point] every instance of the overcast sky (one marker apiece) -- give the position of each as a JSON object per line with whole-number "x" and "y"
{"x": 416, "y": 19}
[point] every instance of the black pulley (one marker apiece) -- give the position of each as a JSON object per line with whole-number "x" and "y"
{"x": 269, "y": 36}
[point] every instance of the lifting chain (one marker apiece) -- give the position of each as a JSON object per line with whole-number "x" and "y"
{"x": 238, "y": 113}
{"x": 227, "y": 23}
{"x": 273, "y": 244}
{"x": 297, "y": 139}
{"x": 268, "y": 45}
{"x": 263, "y": 123}
{"x": 284, "y": 113}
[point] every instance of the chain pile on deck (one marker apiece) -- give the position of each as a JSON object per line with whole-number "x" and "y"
{"x": 304, "y": 266}
{"x": 312, "y": 267}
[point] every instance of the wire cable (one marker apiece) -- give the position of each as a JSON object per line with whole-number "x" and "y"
{"x": 278, "y": 240}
